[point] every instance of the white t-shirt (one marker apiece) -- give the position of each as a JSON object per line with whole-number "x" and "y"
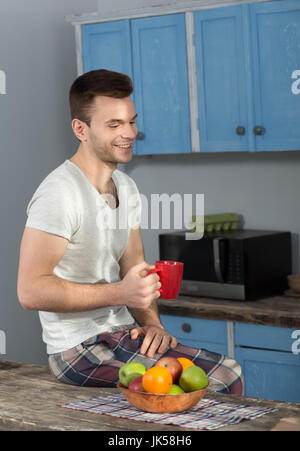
{"x": 68, "y": 205}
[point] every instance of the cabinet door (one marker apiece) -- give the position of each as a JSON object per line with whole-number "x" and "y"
{"x": 270, "y": 374}
{"x": 270, "y": 368}
{"x": 222, "y": 70}
{"x": 161, "y": 84}
{"x": 275, "y": 31}
{"x": 198, "y": 333}
{"x": 107, "y": 46}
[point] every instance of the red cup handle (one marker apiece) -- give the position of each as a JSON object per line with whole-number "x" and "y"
{"x": 151, "y": 272}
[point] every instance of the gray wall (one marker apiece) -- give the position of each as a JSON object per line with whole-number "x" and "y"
{"x": 37, "y": 52}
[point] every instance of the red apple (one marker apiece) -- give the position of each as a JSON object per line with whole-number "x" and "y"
{"x": 136, "y": 384}
{"x": 172, "y": 365}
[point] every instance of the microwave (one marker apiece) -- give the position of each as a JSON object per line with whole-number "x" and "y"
{"x": 241, "y": 264}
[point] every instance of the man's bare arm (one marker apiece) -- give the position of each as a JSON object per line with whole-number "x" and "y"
{"x": 156, "y": 339}
{"x": 40, "y": 289}
{"x": 134, "y": 254}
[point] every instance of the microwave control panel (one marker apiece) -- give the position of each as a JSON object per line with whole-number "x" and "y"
{"x": 234, "y": 268}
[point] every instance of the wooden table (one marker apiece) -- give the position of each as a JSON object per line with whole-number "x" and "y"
{"x": 30, "y": 399}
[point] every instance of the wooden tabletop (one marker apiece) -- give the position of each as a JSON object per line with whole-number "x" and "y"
{"x": 31, "y": 399}
{"x": 280, "y": 311}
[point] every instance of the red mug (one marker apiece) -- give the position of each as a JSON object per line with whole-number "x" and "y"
{"x": 170, "y": 276}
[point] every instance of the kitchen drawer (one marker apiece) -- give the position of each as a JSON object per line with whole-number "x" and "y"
{"x": 270, "y": 374}
{"x": 196, "y": 329}
{"x": 220, "y": 348}
{"x": 263, "y": 337}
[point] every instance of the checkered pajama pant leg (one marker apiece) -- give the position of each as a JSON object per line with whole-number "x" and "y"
{"x": 96, "y": 362}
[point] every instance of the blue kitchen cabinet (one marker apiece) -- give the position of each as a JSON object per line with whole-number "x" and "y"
{"x": 265, "y": 353}
{"x": 152, "y": 51}
{"x": 270, "y": 368}
{"x": 107, "y": 46}
{"x": 197, "y": 333}
{"x": 161, "y": 84}
{"x": 248, "y": 76}
{"x": 275, "y": 34}
{"x": 221, "y": 63}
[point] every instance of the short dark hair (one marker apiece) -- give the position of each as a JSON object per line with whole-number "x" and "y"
{"x": 95, "y": 83}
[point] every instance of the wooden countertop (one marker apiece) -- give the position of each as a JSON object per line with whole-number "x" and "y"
{"x": 280, "y": 311}
{"x": 30, "y": 399}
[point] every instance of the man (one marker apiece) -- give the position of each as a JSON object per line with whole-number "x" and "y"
{"x": 82, "y": 269}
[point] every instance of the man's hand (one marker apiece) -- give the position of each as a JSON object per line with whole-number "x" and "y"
{"x": 156, "y": 339}
{"x": 138, "y": 291}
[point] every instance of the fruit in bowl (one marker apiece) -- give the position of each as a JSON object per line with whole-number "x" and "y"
{"x": 175, "y": 390}
{"x": 136, "y": 384}
{"x": 157, "y": 380}
{"x": 173, "y": 365}
{"x": 193, "y": 378}
{"x": 130, "y": 371}
{"x": 155, "y": 390}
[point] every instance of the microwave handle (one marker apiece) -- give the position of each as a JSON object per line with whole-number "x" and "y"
{"x": 217, "y": 262}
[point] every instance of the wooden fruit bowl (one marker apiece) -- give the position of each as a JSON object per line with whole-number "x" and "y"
{"x": 150, "y": 402}
{"x": 294, "y": 282}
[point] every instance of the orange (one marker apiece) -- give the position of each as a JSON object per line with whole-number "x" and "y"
{"x": 157, "y": 380}
{"x": 185, "y": 363}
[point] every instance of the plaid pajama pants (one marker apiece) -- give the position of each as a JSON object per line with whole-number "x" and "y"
{"x": 96, "y": 362}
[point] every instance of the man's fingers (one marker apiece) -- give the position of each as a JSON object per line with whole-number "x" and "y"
{"x": 147, "y": 342}
{"x": 143, "y": 268}
{"x": 165, "y": 343}
{"x": 174, "y": 342}
{"x": 155, "y": 343}
{"x": 155, "y": 340}
{"x": 134, "y": 333}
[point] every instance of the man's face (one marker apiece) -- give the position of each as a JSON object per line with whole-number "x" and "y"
{"x": 112, "y": 129}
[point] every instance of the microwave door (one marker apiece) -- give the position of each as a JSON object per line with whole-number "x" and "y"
{"x": 219, "y": 257}
{"x": 217, "y": 260}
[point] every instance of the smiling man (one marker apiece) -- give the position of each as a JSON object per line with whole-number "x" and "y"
{"x": 86, "y": 275}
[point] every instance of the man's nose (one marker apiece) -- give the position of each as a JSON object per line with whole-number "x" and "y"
{"x": 129, "y": 132}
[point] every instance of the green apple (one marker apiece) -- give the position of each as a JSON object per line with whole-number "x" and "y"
{"x": 130, "y": 371}
{"x": 175, "y": 390}
{"x": 193, "y": 378}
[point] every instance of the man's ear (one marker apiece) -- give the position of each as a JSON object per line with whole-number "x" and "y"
{"x": 79, "y": 129}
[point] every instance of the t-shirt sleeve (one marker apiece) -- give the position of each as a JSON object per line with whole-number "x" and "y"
{"x": 51, "y": 210}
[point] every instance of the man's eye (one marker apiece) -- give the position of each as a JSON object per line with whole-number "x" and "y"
{"x": 113, "y": 126}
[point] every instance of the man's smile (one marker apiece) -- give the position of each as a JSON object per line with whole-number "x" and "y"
{"x": 124, "y": 147}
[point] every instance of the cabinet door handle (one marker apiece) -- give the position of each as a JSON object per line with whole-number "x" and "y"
{"x": 240, "y": 130}
{"x": 140, "y": 136}
{"x": 186, "y": 327}
{"x": 258, "y": 130}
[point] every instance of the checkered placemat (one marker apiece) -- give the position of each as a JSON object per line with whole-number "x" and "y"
{"x": 207, "y": 414}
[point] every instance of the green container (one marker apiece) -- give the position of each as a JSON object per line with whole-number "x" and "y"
{"x": 217, "y": 223}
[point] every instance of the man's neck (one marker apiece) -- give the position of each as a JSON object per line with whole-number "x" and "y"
{"x": 97, "y": 172}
